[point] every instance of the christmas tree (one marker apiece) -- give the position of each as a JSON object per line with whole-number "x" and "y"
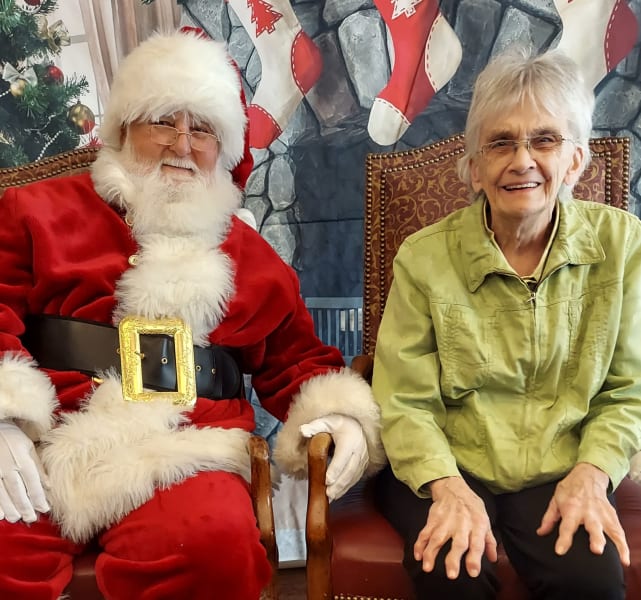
{"x": 40, "y": 112}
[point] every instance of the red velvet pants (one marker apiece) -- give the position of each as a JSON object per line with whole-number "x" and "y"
{"x": 197, "y": 540}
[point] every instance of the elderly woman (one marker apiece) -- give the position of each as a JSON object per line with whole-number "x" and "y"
{"x": 508, "y": 366}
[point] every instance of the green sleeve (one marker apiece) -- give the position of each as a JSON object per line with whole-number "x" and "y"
{"x": 406, "y": 382}
{"x": 611, "y": 431}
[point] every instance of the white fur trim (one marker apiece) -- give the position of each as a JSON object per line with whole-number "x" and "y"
{"x": 343, "y": 392}
{"x": 107, "y": 459}
{"x": 178, "y": 277}
{"x": 175, "y": 72}
{"x": 247, "y": 216}
{"x": 26, "y": 395}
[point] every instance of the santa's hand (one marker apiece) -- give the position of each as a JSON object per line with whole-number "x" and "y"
{"x": 350, "y": 451}
{"x": 21, "y": 489}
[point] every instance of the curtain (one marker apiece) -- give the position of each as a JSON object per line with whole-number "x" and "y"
{"x": 114, "y": 27}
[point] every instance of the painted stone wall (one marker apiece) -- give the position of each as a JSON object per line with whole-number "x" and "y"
{"x": 307, "y": 188}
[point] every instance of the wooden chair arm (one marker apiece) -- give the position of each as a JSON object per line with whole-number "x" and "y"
{"x": 363, "y": 364}
{"x": 318, "y": 536}
{"x": 317, "y": 532}
{"x": 261, "y": 493}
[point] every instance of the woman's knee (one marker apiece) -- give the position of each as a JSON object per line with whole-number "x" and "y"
{"x": 436, "y": 583}
{"x": 585, "y": 575}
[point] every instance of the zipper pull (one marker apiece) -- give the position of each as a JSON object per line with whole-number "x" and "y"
{"x": 532, "y": 297}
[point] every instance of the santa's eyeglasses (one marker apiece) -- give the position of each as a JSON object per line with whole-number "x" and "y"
{"x": 165, "y": 135}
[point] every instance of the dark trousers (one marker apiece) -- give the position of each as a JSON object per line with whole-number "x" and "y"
{"x": 515, "y": 517}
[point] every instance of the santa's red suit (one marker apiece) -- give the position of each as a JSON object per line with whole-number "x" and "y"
{"x": 160, "y": 488}
{"x": 123, "y": 471}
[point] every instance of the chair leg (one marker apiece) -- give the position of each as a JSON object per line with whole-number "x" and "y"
{"x": 261, "y": 492}
{"x": 319, "y": 539}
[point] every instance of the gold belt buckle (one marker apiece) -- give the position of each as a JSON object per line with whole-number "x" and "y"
{"x": 129, "y": 331}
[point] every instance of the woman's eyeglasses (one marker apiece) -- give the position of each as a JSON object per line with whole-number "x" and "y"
{"x": 537, "y": 144}
{"x": 165, "y": 135}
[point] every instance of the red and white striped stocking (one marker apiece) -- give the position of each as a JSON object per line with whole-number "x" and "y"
{"x": 290, "y": 62}
{"x": 597, "y": 34}
{"x": 427, "y": 53}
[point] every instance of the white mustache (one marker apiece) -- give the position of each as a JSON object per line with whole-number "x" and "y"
{"x": 181, "y": 164}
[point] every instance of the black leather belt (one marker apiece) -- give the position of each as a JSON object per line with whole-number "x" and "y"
{"x": 68, "y": 344}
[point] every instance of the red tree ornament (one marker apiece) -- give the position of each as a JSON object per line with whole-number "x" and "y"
{"x": 33, "y": 2}
{"x": 54, "y": 74}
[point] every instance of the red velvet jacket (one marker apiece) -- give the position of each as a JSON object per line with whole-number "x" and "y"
{"x": 64, "y": 251}
{"x": 63, "y": 248}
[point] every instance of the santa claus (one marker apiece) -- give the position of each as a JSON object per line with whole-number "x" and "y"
{"x": 145, "y": 454}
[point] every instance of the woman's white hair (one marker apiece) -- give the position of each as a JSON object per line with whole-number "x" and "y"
{"x": 551, "y": 83}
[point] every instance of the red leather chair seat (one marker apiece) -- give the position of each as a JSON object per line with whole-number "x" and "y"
{"x": 367, "y": 552}
{"x": 83, "y": 585}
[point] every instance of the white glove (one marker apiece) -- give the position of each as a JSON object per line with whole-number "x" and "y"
{"x": 21, "y": 490}
{"x": 350, "y": 451}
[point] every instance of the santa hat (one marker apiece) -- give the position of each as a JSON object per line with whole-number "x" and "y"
{"x": 182, "y": 71}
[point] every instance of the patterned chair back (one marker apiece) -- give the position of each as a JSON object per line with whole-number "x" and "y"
{"x": 66, "y": 163}
{"x": 408, "y": 190}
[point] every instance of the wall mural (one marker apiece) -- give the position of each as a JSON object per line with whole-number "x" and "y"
{"x": 331, "y": 80}
{"x": 290, "y": 65}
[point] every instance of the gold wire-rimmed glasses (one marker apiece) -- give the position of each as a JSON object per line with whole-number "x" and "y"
{"x": 166, "y": 135}
{"x": 542, "y": 144}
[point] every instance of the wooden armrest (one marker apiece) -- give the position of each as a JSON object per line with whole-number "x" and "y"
{"x": 318, "y": 536}
{"x": 261, "y": 493}
{"x": 317, "y": 533}
{"x": 363, "y": 364}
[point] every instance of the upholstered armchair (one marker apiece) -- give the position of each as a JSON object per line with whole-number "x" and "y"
{"x": 83, "y": 585}
{"x": 353, "y": 552}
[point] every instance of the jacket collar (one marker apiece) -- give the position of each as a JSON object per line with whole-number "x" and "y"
{"x": 576, "y": 243}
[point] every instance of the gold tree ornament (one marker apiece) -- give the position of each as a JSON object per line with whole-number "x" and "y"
{"x": 81, "y": 118}
{"x": 17, "y": 87}
{"x": 18, "y": 81}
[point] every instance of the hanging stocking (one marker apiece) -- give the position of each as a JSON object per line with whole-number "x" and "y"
{"x": 291, "y": 64}
{"x": 427, "y": 53}
{"x": 597, "y": 34}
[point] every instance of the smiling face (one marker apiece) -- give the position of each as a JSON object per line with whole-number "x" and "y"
{"x": 524, "y": 184}
{"x": 178, "y": 160}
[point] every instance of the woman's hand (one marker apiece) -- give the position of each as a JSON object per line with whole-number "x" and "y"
{"x": 581, "y": 499}
{"x": 457, "y": 513}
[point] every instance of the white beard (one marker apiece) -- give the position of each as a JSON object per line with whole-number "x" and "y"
{"x": 157, "y": 203}
{"x": 178, "y": 225}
